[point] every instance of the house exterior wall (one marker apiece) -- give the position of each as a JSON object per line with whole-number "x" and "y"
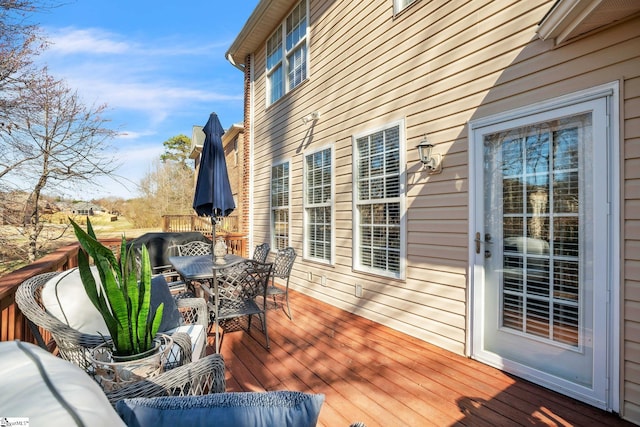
{"x": 436, "y": 66}
{"x": 234, "y": 155}
{"x": 631, "y": 245}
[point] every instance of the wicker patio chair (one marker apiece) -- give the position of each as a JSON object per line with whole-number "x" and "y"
{"x": 237, "y": 288}
{"x": 204, "y": 376}
{"x": 282, "y": 265}
{"x": 75, "y": 346}
{"x": 261, "y": 252}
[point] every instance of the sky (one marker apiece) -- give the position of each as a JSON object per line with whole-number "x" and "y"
{"x": 159, "y": 66}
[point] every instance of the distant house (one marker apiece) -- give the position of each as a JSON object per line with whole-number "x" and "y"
{"x": 517, "y": 241}
{"x": 85, "y": 208}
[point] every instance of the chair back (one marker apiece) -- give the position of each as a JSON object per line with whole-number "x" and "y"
{"x": 283, "y": 262}
{"x": 195, "y": 248}
{"x": 71, "y": 343}
{"x": 74, "y": 345}
{"x": 243, "y": 282}
{"x": 261, "y": 252}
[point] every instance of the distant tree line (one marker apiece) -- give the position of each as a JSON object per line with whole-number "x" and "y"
{"x": 167, "y": 189}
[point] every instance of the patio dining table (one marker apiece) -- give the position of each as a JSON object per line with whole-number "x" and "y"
{"x": 204, "y": 270}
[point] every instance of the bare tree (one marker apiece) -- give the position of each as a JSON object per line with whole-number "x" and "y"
{"x": 164, "y": 190}
{"x": 66, "y": 143}
{"x": 20, "y": 42}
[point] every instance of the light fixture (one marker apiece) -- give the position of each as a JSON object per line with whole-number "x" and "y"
{"x": 430, "y": 160}
{"x": 312, "y": 117}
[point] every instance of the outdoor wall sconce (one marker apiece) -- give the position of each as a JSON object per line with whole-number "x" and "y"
{"x": 311, "y": 117}
{"x": 428, "y": 159}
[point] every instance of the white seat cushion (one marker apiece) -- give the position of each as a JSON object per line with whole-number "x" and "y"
{"x": 64, "y": 297}
{"x": 48, "y": 390}
{"x": 198, "y": 337}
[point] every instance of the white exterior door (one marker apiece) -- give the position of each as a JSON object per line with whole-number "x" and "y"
{"x": 541, "y": 249}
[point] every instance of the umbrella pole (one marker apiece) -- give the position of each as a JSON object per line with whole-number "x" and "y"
{"x": 215, "y": 284}
{"x": 213, "y": 232}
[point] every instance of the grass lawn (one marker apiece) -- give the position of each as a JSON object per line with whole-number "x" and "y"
{"x": 58, "y": 232}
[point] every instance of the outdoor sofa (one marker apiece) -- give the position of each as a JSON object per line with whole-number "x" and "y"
{"x": 46, "y": 390}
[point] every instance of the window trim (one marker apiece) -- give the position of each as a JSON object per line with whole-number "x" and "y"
{"x": 305, "y": 240}
{"x": 272, "y": 234}
{"x": 286, "y": 55}
{"x": 398, "y": 7}
{"x": 356, "y": 263}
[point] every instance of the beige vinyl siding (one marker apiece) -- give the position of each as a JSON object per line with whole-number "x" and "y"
{"x": 631, "y": 233}
{"x": 437, "y": 66}
{"x": 380, "y": 78}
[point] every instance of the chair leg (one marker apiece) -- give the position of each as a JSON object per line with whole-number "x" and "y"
{"x": 218, "y": 334}
{"x": 264, "y": 327}
{"x": 288, "y": 309}
{"x": 222, "y": 334}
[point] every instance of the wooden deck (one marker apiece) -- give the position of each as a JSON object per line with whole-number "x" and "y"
{"x": 373, "y": 374}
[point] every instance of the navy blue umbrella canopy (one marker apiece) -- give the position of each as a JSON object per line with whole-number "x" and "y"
{"x": 213, "y": 196}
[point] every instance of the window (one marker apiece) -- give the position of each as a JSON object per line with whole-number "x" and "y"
{"x": 379, "y": 202}
{"x": 542, "y": 196}
{"x": 400, "y": 5}
{"x": 287, "y": 50}
{"x": 318, "y": 198}
{"x": 280, "y": 206}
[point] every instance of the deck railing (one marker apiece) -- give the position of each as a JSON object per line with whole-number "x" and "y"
{"x": 226, "y": 227}
{"x": 182, "y": 223}
{"x": 13, "y": 325}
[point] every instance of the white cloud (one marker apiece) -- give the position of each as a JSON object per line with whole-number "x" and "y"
{"x": 93, "y": 41}
{"x": 130, "y": 134}
{"x": 137, "y": 76}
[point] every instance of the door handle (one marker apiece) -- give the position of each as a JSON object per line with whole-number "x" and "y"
{"x": 478, "y": 240}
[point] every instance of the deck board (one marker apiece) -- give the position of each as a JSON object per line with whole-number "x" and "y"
{"x": 382, "y": 377}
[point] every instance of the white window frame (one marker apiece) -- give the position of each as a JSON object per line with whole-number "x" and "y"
{"x": 324, "y": 204}
{"x": 401, "y": 199}
{"x": 285, "y": 207}
{"x": 400, "y": 5}
{"x": 287, "y": 55}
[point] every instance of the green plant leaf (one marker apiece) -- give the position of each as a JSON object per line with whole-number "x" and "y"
{"x": 123, "y": 301}
{"x": 144, "y": 298}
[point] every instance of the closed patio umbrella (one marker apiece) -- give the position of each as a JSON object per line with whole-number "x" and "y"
{"x": 213, "y": 196}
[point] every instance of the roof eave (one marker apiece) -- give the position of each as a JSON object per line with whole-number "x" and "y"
{"x": 564, "y": 16}
{"x": 569, "y": 19}
{"x": 264, "y": 18}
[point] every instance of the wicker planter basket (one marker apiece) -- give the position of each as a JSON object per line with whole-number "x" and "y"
{"x": 113, "y": 372}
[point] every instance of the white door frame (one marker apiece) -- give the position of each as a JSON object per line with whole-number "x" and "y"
{"x": 475, "y": 288}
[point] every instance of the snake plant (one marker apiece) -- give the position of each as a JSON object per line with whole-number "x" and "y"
{"x": 122, "y": 298}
